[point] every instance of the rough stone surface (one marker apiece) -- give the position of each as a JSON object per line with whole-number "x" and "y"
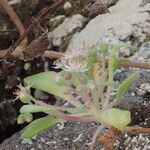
{"x": 144, "y": 2}
{"x": 110, "y": 2}
{"x": 143, "y": 55}
{"x": 68, "y": 26}
{"x": 67, "y": 5}
{"x": 54, "y": 22}
{"x": 126, "y": 19}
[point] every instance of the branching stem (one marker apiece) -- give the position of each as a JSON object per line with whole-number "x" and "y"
{"x": 95, "y": 137}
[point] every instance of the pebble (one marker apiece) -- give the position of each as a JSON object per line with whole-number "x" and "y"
{"x": 42, "y": 139}
{"x": 66, "y": 139}
{"x": 61, "y": 125}
{"x": 138, "y": 142}
{"x": 48, "y": 143}
{"x": 26, "y": 141}
{"x": 54, "y": 142}
{"x": 27, "y": 66}
{"x": 78, "y": 138}
{"x": 143, "y": 89}
{"x": 67, "y": 5}
{"x": 39, "y": 146}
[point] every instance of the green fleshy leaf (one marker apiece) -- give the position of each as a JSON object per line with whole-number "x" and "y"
{"x": 45, "y": 81}
{"x": 81, "y": 110}
{"x": 107, "y": 84}
{"x": 97, "y": 70}
{"x": 28, "y": 117}
{"x": 113, "y": 63}
{"x": 24, "y": 117}
{"x": 35, "y": 108}
{"x": 124, "y": 86}
{"x": 114, "y": 60}
{"x": 21, "y": 119}
{"x": 91, "y": 59}
{"x": 39, "y": 126}
{"x": 31, "y": 109}
{"x": 104, "y": 48}
{"x": 116, "y": 118}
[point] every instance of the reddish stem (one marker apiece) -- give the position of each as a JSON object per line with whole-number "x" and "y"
{"x": 137, "y": 130}
{"x": 127, "y": 64}
{"x": 78, "y": 118}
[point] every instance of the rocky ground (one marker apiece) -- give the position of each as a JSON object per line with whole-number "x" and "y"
{"x": 128, "y": 22}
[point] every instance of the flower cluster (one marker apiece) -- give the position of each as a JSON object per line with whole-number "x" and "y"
{"x": 73, "y": 61}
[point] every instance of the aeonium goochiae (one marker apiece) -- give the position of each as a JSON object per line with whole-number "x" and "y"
{"x": 85, "y": 74}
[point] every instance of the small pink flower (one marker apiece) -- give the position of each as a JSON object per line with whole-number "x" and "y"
{"x": 23, "y": 93}
{"x": 72, "y": 65}
{"x": 76, "y": 54}
{"x": 73, "y": 61}
{"x": 75, "y": 65}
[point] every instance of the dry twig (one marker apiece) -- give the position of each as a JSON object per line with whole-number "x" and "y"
{"x": 137, "y": 130}
{"x": 15, "y": 19}
{"x": 40, "y": 17}
{"x": 56, "y": 55}
{"x": 23, "y": 32}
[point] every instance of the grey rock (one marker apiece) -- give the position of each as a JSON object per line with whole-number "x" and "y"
{"x": 143, "y": 54}
{"x": 68, "y": 26}
{"x": 67, "y": 5}
{"x": 126, "y": 18}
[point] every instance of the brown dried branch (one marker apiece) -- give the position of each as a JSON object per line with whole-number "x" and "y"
{"x": 128, "y": 64}
{"x": 14, "y": 18}
{"x": 137, "y": 130}
{"x": 16, "y": 51}
{"x": 36, "y": 48}
{"x": 3, "y": 53}
{"x": 6, "y": 63}
{"x": 48, "y": 54}
{"x": 56, "y": 55}
{"x": 4, "y": 66}
{"x": 40, "y": 17}
{"x": 52, "y": 55}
